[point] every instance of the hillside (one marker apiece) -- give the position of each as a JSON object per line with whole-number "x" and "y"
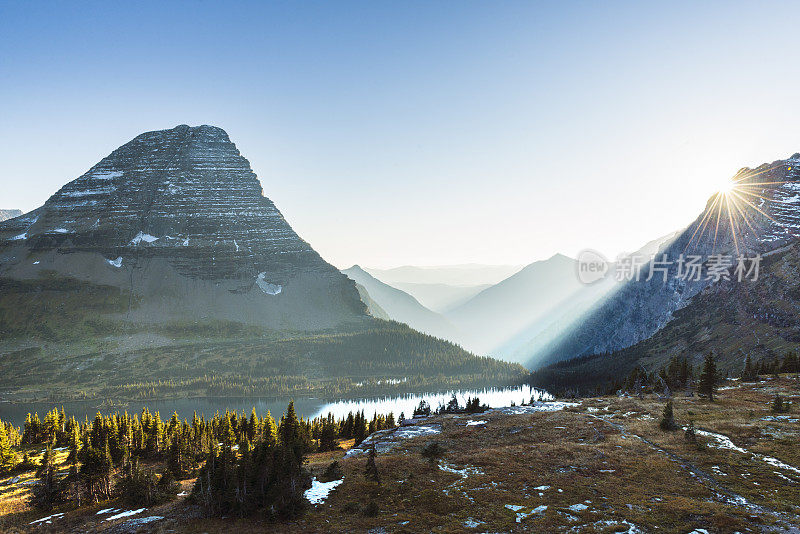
{"x": 440, "y": 298}
{"x": 498, "y": 313}
{"x": 402, "y": 307}
{"x": 731, "y": 319}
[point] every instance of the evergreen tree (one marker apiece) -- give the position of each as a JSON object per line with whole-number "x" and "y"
{"x": 8, "y": 457}
{"x": 270, "y": 430}
{"x": 690, "y": 434}
{"x": 371, "y": 469}
{"x": 779, "y": 405}
{"x": 708, "y": 377}
{"x": 96, "y": 472}
{"x": 667, "y": 418}
{"x": 47, "y": 492}
{"x": 749, "y": 374}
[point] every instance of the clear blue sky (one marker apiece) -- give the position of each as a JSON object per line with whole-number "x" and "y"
{"x": 418, "y": 132}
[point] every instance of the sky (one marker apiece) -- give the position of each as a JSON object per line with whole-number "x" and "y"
{"x": 418, "y": 133}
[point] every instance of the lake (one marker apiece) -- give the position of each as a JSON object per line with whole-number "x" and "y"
{"x": 308, "y": 407}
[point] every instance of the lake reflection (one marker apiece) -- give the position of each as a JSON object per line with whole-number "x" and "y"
{"x": 308, "y": 407}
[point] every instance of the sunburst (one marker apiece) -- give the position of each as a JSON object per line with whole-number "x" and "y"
{"x": 736, "y": 206}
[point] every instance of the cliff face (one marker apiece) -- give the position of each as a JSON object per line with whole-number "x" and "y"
{"x": 178, "y": 217}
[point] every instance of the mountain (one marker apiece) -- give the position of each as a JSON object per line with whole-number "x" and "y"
{"x": 9, "y": 214}
{"x": 499, "y": 312}
{"x": 540, "y": 334}
{"x": 178, "y": 218}
{"x": 440, "y": 298}
{"x": 760, "y": 215}
{"x": 400, "y": 306}
{"x": 472, "y": 274}
{"x": 165, "y": 269}
{"x": 732, "y": 319}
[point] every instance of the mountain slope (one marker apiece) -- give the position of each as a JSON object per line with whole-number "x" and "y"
{"x": 440, "y": 298}
{"x": 496, "y": 314}
{"x": 732, "y": 319}
{"x": 400, "y": 306}
{"x": 638, "y": 309}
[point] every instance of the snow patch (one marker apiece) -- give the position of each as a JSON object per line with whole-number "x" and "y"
{"x": 115, "y": 263}
{"x": 143, "y": 520}
{"x": 523, "y": 515}
{"x": 723, "y": 442}
{"x": 266, "y": 287}
{"x": 475, "y": 423}
{"x": 127, "y": 513}
{"x": 472, "y": 523}
{"x": 141, "y": 236}
{"x": 20, "y": 237}
{"x": 538, "y": 406}
{"x": 89, "y": 192}
{"x": 47, "y": 519}
{"x": 62, "y": 231}
{"x": 106, "y": 175}
{"x": 319, "y": 490}
{"x": 107, "y": 511}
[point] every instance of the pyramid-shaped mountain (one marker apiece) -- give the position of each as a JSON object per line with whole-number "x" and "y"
{"x": 177, "y": 218}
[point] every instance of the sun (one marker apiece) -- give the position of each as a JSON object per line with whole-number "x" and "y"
{"x": 736, "y": 206}
{"x": 726, "y": 187}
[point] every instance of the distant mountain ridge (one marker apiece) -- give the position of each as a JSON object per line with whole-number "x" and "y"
{"x": 9, "y": 214}
{"x": 496, "y": 314}
{"x": 472, "y": 274}
{"x": 400, "y": 306}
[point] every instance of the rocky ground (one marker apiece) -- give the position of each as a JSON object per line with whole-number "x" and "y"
{"x": 595, "y": 465}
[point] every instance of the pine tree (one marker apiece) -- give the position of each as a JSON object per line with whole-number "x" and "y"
{"x": 749, "y": 374}
{"x": 270, "y": 430}
{"x": 371, "y": 469}
{"x": 690, "y": 435}
{"x": 708, "y": 377}
{"x": 778, "y": 405}
{"x": 47, "y": 492}
{"x": 667, "y": 418}
{"x": 8, "y": 457}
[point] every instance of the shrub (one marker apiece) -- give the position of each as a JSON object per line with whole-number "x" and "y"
{"x": 432, "y": 452}
{"x": 332, "y": 472}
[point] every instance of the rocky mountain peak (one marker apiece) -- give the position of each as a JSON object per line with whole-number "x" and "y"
{"x": 182, "y": 200}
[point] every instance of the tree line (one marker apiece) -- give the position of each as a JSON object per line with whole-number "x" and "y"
{"x": 244, "y": 465}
